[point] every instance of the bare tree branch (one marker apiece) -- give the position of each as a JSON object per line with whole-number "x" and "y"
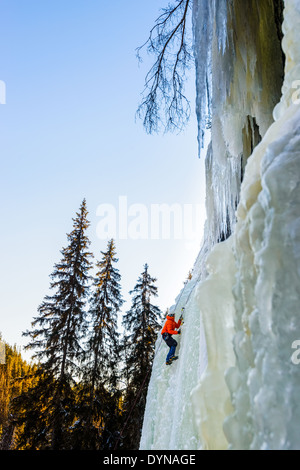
{"x": 164, "y": 103}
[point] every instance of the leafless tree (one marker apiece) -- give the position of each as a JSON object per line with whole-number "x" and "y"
{"x": 163, "y": 102}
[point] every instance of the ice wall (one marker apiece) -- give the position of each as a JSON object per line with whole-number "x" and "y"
{"x": 235, "y": 385}
{"x": 263, "y": 290}
{"x": 264, "y": 382}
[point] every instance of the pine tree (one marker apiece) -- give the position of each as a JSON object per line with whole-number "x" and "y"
{"x": 56, "y": 338}
{"x": 141, "y": 322}
{"x": 99, "y": 393}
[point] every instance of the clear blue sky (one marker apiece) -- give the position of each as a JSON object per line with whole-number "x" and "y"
{"x": 68, "y": 131}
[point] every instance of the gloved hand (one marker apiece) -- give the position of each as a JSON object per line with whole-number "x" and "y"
{"x": 179, "y": 332}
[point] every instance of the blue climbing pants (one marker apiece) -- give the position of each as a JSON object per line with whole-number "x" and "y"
{"x": 172, "y": 343}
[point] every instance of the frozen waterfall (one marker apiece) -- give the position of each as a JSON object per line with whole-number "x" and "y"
{"x": 235, "y": 385}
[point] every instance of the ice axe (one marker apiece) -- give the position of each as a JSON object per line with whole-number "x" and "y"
{"x": 181, "y": 315}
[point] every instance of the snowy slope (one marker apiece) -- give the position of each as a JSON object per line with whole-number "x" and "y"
{"x": 235, "y": 385}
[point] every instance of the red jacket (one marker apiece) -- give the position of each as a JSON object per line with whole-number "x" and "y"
{"x": 170, "y": 325}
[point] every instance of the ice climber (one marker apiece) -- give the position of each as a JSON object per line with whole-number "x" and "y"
{"x": 167, "y": 332}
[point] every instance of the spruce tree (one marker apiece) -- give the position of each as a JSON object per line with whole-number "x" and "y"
{"x": 141, "y": 323}
{"x": 16, "y": 377}
{"x": 56, "y": 338}
{"x": 99, "y": 394}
